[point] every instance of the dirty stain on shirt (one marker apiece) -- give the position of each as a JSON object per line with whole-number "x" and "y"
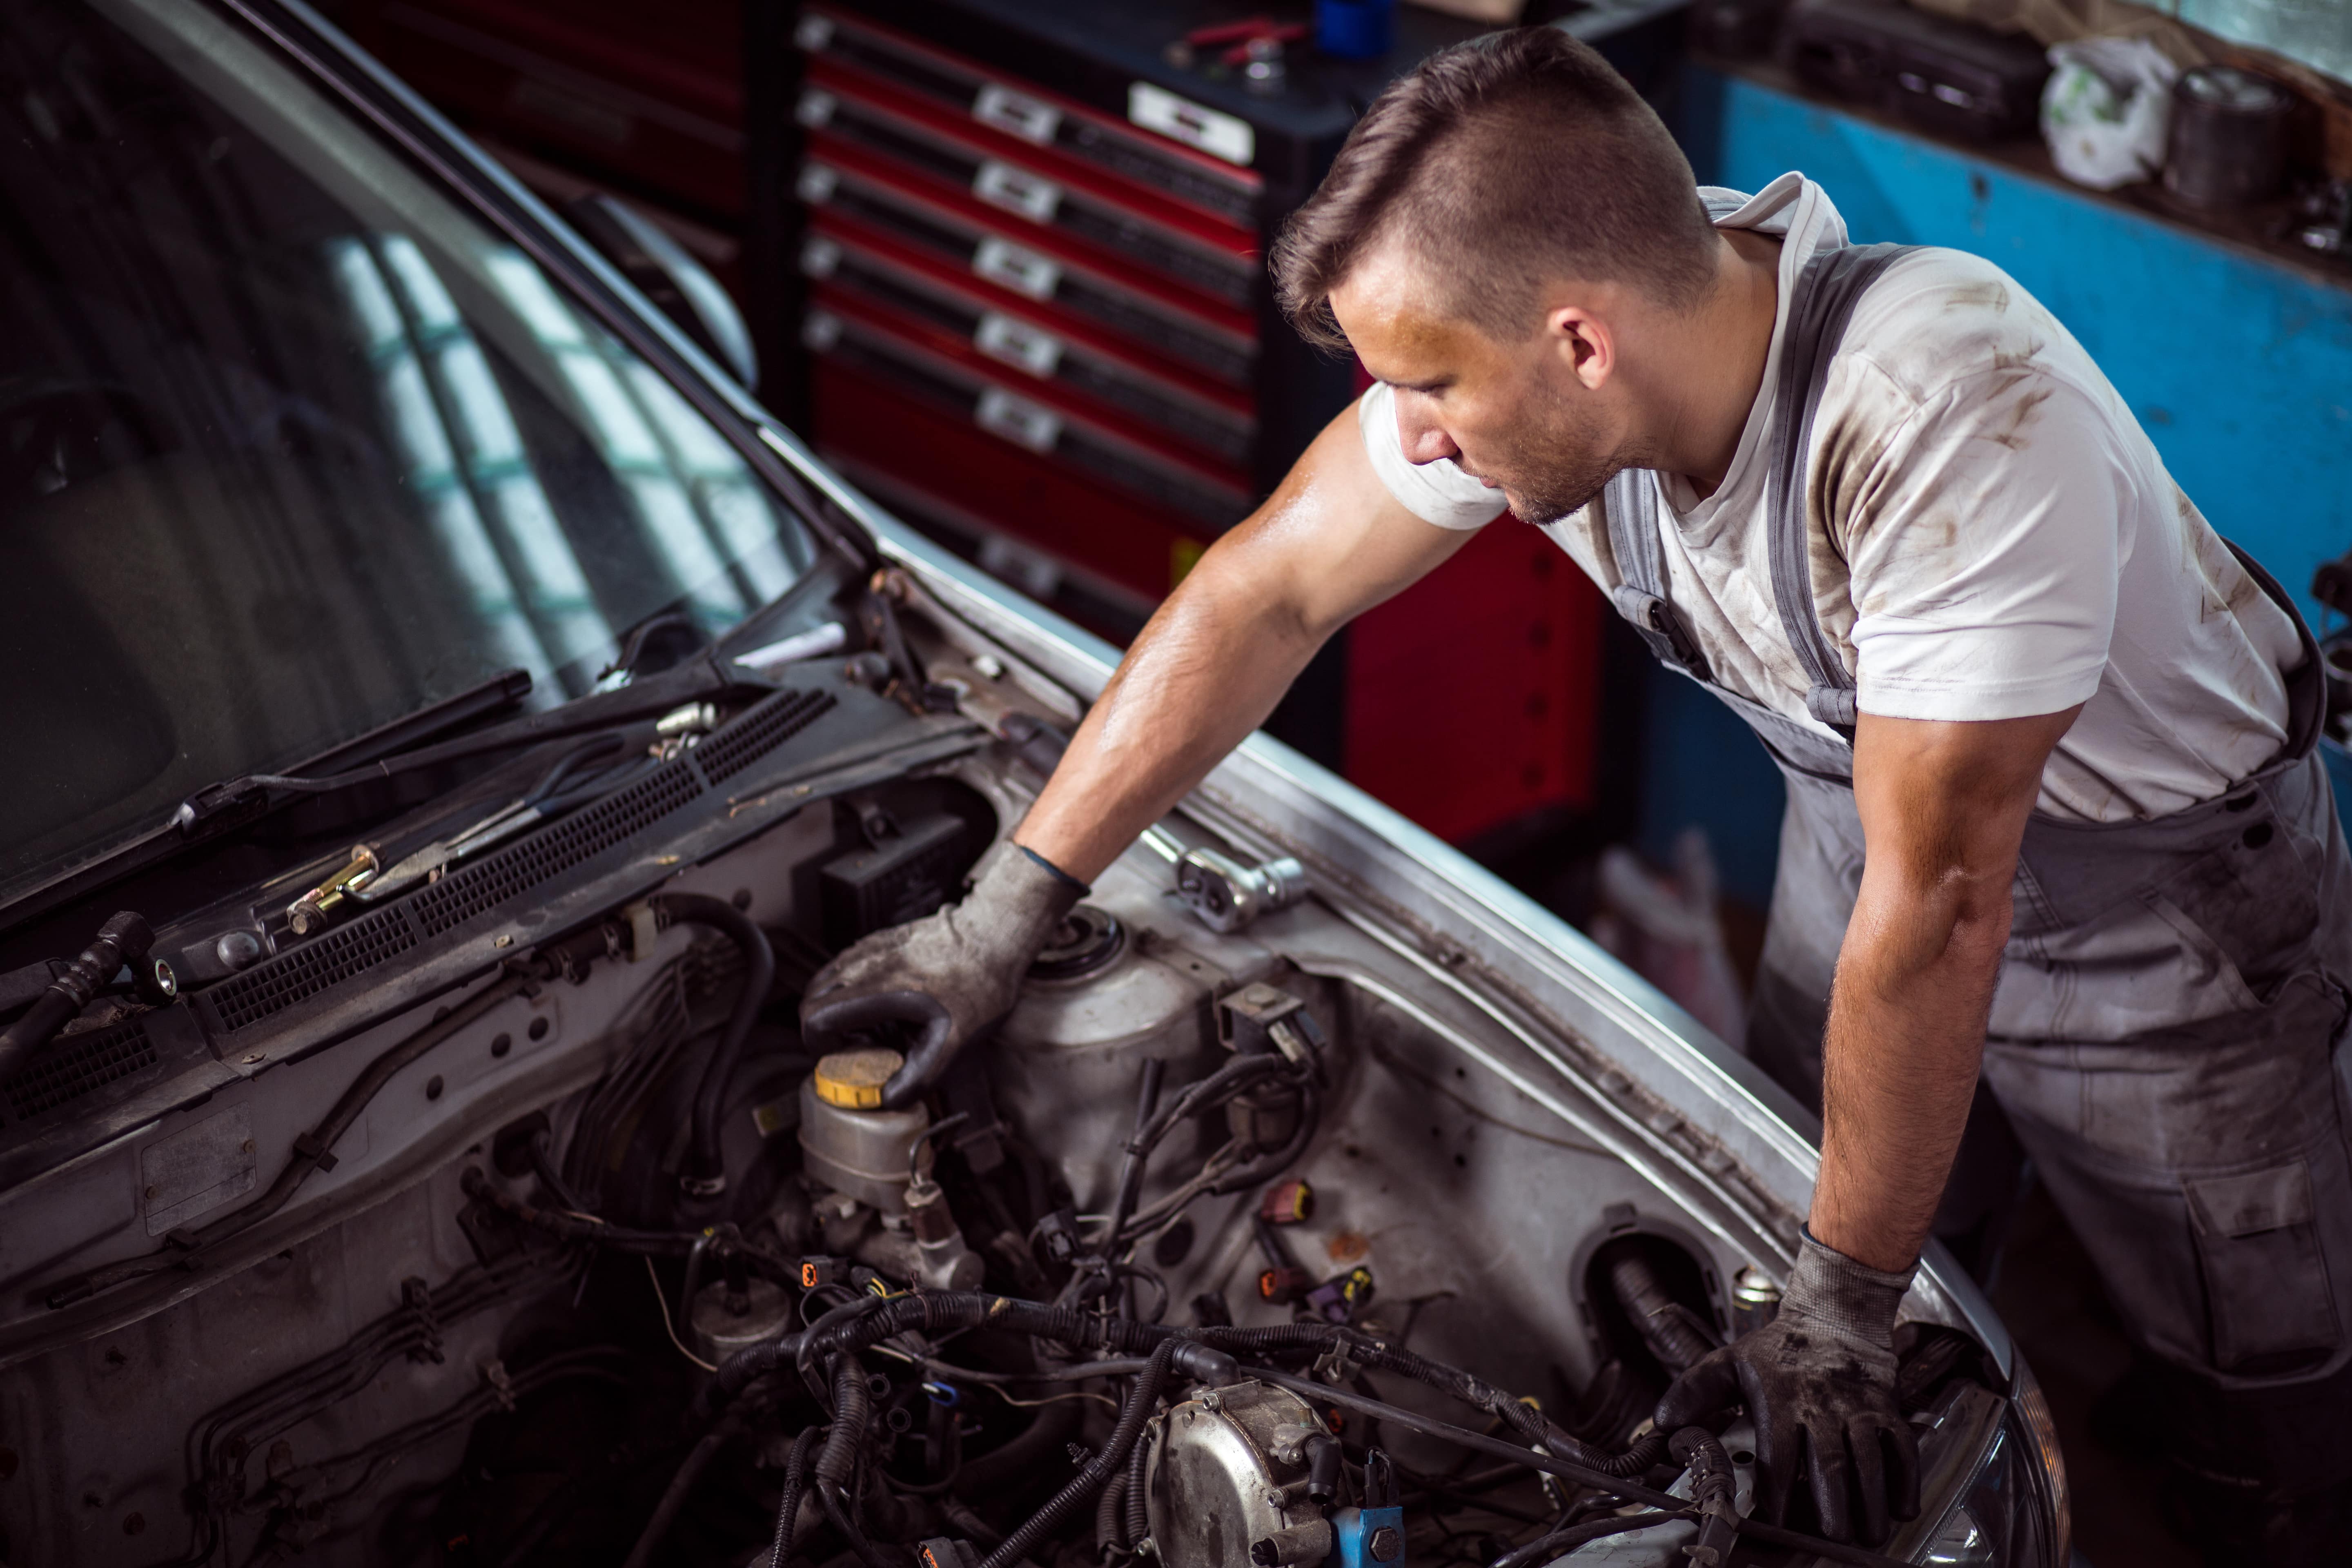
{"x": 1992, "y": 535}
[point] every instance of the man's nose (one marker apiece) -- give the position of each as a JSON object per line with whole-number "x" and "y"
{"x": 1424, "y": 438}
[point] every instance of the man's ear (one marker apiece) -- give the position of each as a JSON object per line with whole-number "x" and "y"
{"x": 1584, "y": 343}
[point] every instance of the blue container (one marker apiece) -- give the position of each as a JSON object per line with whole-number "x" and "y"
{"x": 1354, "y": 29}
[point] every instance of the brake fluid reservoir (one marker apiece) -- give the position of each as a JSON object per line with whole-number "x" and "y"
{"x": 1069, "y": 1061}
{"x": 847, "y": 1141}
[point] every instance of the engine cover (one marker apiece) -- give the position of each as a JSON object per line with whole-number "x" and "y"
{"x": 1228, "y": 1470}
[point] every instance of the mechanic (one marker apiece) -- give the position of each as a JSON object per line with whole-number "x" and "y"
{"x": 2040, "y": 724}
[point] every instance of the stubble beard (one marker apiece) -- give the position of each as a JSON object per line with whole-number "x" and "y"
{"x": 1550, "y": 471}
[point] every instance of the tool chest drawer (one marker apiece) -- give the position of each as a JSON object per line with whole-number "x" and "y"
{"x": 1085, "y": 368}
{"x": 840, "y": 329}
{"x": 869, "y": 423}
{"x": 1147, "y": 315}
{"x": 1077, "y": 136}
{"x": 1194, "y": 254}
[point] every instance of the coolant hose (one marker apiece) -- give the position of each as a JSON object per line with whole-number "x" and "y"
{"x": 706, "y": 1174}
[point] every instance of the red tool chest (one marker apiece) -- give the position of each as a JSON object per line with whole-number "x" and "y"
{"x": 1004, "y": 259}
{"x": 1028, "y": 278}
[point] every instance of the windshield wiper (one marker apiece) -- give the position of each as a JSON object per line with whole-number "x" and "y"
{"x": 499, "y": 694}
{"x": 382, "y": 753}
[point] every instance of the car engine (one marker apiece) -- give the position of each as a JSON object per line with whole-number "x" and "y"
{"x": 505, "y": 1220}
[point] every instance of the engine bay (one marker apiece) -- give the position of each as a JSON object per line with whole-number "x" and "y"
{"x": 509, "y": 1220}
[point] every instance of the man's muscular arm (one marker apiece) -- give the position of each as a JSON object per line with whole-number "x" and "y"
{"x": 1329, "y": 545}
{"x": 1206, "y": 671}
{"x": 1943, "y": 812}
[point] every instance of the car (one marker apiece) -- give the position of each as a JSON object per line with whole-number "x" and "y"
{"x": 452, "y": 722}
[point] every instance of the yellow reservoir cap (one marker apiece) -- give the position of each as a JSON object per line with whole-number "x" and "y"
{"x": 854, "y": 1079}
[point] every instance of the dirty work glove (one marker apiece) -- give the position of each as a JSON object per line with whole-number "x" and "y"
{"x": 1818, "y": 1382}
{"x": 953, "y": 975}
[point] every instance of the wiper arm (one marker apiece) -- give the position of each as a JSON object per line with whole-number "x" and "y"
{"x": 497, "y": 695}
{"x": 385, "y": 752}
{"x": 654, "y": 694}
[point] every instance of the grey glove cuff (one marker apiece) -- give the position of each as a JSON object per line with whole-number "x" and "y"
{"x": 1083, "y": 889}
{"x": 1835, "y": 1291}
{"x": 1018, "y": 900}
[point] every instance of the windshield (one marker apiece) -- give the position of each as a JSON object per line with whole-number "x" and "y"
{"x": 291, "y": 444}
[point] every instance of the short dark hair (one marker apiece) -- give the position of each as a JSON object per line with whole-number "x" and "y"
{"x": 1509, "y": 160}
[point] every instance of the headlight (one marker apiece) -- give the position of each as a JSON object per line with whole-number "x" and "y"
{"x": 2012, "y": 1510}
{"x": 2030, "y": 1411}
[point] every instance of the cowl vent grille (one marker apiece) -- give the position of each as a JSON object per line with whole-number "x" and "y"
{"x": 311, "y": 968}
{"x": 761, "y": 730}
{"x": 76, "y": 1064}
{"x": 382, "y": 934}
{"x": 590, "y": 831}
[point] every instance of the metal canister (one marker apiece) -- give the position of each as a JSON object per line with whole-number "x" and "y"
{"x": 2226, "y": 146}
{"x": 1755, "y": 1301}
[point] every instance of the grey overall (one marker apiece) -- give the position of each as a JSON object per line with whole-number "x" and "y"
{"x": 2165, "y": 1026}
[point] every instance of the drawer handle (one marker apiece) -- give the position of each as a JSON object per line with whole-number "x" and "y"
{"x": 1016, "y": 114}
{"x": 1000, "y": 336}
{"x": 1016, "y": 190}
{"x": 1017, "y": 420}
{"x": 1010, "y": 266}
{"x": 816, "y": 108}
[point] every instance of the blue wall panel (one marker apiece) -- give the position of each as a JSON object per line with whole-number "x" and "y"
{"x": 2238, "y": 367}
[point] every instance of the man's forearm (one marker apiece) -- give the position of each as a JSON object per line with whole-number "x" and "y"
{"x": 1899, "y": 1068}
{"x": 1206, "y": 671}
{"x": 1942, "y": 807}
{"x": 1329, "y": 544}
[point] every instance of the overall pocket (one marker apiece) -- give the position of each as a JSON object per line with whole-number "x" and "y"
{"x": 2266, "y": 1286}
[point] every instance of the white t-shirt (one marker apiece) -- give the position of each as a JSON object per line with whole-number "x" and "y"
{"x": 1993, "y": 536}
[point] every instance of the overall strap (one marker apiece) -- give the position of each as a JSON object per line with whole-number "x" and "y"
{"x": 1629, "y": 505}
{"x": 1819, "y": 308}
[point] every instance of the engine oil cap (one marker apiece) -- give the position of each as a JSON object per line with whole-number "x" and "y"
{"x": 854, "y": 1079}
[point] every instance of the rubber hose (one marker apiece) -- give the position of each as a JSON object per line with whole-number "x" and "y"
{"x": 788, "y": 1510}
{"x": 858, "y": 1324}
{"x": 673, "y": 1500}
{"x": 1310, "y": 1117}
{"x": 1096, "y": 1470}
{"x": 739, "y": 1371}
{"x": 1110, "y": 1518}
{"x": 873, "y": 1556}
{"x": 1138, "y": 1156}
{"x": 1138, "y": 1495}
{"x": 1020, "y": 1458}
{"x": 959, "y": 1514}
{"x": 123, "y": 939}
{"x": 1665, "y": 1325}
{"x": 1559, "y": 1542}
{"x": 705, "y": 1173}
{"x": 1233, "y": 1077}
{"x": 572, "y": 1227}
